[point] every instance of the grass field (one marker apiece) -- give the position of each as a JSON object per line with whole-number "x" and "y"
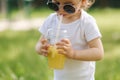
{"x": 19, "y": 61}
{"x": 108, "y": 21}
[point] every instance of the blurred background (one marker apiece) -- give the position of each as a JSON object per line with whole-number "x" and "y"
{"x": 19, "y": 23}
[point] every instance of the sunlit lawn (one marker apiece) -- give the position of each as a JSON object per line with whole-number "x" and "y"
{"x": 19, "y": 61}
{"x": 108, "y": 21}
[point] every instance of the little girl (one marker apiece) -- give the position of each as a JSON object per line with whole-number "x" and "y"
{"x": 84, "y": 45}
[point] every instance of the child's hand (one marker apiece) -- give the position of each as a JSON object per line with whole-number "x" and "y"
{"x": 64, "y": 47}
{"x": 44, "y": 47}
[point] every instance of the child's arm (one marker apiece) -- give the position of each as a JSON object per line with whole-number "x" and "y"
{"x": 94, "y": 53}
{"x": 42, "y": 46}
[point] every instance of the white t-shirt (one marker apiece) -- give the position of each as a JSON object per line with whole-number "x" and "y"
{"x": 80, "y": 31}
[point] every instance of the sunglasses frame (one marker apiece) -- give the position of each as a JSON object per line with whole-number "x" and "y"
{"x": 67, "y": 7}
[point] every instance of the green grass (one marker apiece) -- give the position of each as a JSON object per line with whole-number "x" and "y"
{"x": 108, "y": 22}
{"x": 18, "y": 58}
{"x": 19, "y": 61}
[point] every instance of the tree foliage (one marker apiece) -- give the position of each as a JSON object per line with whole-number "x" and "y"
{"x": 107, "y": 3}
{"x": 39, "y": 3}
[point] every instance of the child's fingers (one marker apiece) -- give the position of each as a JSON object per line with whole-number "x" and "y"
{"x": 61, "y": 51}
{"x": 45, "y": 46}
{"x": 65, "y": 47}
{"x": 43, "y": 41}
{"x": 62, "y": 45}
{"x": 67, "y": 41}
{"x": 44, "y": 52}
{"x": 44, "y": 49}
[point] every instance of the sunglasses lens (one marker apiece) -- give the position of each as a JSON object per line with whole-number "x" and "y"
{"x": 53, "y": 6}
{"x": 70, "y": 9}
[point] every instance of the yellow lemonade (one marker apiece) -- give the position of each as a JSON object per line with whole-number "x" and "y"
{"x": 55, "y": 60}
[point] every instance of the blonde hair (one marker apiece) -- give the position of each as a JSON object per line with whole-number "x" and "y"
{"x": 88, "y": 4}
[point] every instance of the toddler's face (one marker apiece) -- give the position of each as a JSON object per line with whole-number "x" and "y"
{"x": 67, "y": 7}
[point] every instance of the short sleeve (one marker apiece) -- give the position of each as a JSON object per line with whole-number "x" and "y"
{"x": 47, "y": 23}
{"x": 91, "y": 30}
{"x": 43, "y": 28}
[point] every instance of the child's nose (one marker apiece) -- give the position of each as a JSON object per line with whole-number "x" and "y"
{"x": 61, "y": 8}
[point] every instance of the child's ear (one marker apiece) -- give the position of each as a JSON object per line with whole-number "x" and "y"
{"x": 84, "y": 2}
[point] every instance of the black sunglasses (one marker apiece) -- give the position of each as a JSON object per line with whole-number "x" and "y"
{"x": 68, "y": 8}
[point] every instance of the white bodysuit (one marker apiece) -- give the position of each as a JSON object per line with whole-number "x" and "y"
{"x": 80, "y": 31}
